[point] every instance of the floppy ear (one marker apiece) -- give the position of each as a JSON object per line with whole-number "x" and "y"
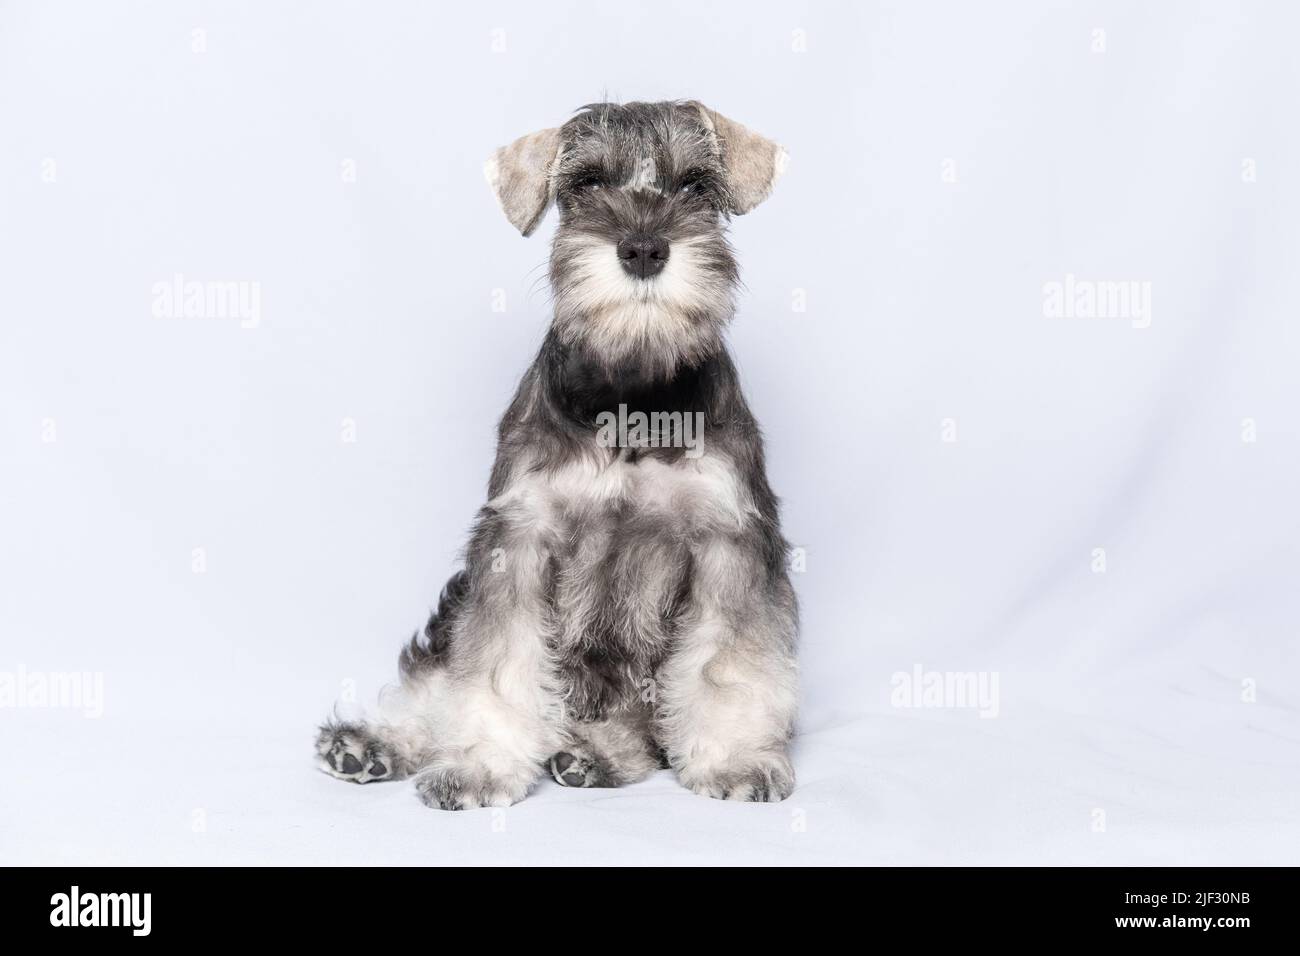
{"x": 520, "y": 175}
{"x": 753, "y": 162}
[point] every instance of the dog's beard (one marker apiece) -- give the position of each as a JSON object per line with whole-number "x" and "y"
{"x": 675, "y": 318}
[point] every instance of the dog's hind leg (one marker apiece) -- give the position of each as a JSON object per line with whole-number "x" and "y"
{"x": 606, "y": 753}
{"x": 401, "y": 740}
{"x": 394, "y": 745}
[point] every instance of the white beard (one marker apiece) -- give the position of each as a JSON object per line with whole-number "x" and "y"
{"x": 662, "y": 319}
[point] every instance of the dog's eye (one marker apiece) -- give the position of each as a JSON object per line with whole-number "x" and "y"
{"x": 587, "y": 182}
{"x": 696, "y": 181}
{"x": 696, "y": 184}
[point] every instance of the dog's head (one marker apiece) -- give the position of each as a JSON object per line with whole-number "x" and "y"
{"x": 640, "y": 265}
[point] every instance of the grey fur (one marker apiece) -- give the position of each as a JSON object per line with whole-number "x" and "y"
{"x": 619, "y": 606}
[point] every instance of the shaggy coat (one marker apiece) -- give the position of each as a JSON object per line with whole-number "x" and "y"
{"x": 624, "y": 602}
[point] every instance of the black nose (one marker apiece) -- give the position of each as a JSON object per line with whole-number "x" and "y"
{"x": 643, "y": 256}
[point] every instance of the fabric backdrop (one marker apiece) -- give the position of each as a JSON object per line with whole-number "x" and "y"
{"x": 1019, "y": 322}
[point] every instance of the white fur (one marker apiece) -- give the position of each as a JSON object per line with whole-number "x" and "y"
{"x": 497, "y": 718}
{"x": 492, "y": 717}
{"x": 728, "y": 697}
{"x": 646, "y": 175}
{"x": 625, "y": 315}
{"x": 696, "y": 492}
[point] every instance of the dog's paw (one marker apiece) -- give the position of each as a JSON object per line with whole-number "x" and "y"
{"x": 349, "y": 752}
{"x": 574, "y": 768}
{"x": 466, "y": 788}
{"x": 769, "y": 780}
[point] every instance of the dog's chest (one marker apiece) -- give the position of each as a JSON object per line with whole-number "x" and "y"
{"x": 618, "y": 534}
{"x": 646, "y": 495}
{"x": 622, "y": 566}
{"x": 626, "y": 500}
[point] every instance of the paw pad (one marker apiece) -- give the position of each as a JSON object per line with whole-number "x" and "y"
{"x": 349, "y": 753}
{"x": 574, "y": 770}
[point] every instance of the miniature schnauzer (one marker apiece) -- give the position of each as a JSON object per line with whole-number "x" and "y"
{"x": 624, "y": 603}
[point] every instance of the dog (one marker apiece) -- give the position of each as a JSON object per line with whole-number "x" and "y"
{"x": 625, "y": 603}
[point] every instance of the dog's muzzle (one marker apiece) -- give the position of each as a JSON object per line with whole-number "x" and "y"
{"x": 643, "y": 256}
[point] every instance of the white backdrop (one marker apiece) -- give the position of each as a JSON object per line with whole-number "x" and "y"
{"x": 230, "y": 524}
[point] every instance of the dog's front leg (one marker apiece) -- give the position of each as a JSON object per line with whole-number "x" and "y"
{"x": 728, "y": 693}
{"x": 496, "y": 712}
